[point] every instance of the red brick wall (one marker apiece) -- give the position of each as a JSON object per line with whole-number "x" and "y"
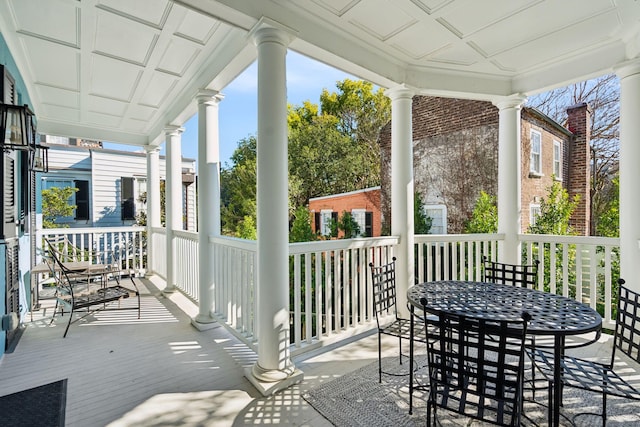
{"x": 579, "y": 122}
{"x": 368, "y": 199}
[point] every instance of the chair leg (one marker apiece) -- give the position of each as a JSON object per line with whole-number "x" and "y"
{"x": 400, "y": 348}
{"x": 604, "y": 409}
{"x": 379, "y": 358}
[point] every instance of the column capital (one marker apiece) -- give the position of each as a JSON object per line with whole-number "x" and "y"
{"x": 209, "y": 96}
{"x": 151, "y": 149}
{"x": 400, "y": 92}
{"x": 512, "y": 101}
{"x": 627, "y": 68}
{"x": 172, "y": 130}
{"x": 269, "y": 31}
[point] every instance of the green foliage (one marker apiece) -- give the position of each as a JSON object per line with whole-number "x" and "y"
{"x": 484, "y": 218}
{"x": 301, "y": 230}
{"x": 609, "y": 222}
{"x": 347, "y": 224}
{"x": 555, "y": 211}
{"x": 55, "y": 204}
{"x": 421, "y": 222}
{"x": 247, "y": 229}
{"x": 238, "y": 187}
{"x": 330, "y": 151}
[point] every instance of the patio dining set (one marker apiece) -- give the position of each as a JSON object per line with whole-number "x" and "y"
{"x": 491, "y": 344}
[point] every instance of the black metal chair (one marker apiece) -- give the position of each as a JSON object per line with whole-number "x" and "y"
{"x": 476, "y": 367}
{"x": 523, "y": 275}
{"x": 384, "y": 305}
{"x": 601, "y": 377}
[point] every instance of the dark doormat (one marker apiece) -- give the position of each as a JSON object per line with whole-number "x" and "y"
{"x": 41, "y": 406}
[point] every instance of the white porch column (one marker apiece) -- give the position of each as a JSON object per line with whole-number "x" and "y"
{"x": 173, "y": 198}
{"x": 208, "y": 202}
{"x": 274, "y": 369}
{"x": 153, "y": 200}
{"x": 629, "y": 75}
{"x": 402, "y": 190}
{"x": 509, "y": 174}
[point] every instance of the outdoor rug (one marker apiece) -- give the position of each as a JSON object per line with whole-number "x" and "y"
{"x": 357, "y": 399}
{"x": 42, "y": 406}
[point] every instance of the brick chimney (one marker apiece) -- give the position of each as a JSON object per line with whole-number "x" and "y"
{"x": 579, "y": 162}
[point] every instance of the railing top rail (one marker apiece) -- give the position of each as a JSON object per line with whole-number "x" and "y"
{"x": 89, "y": 230}
{"x": 421, "y": 238}
{"x": 244, "y": 244}
{"x": 552, "y": 238}
{"x": 191, "y": 235}
{"x": 357, "y": 243}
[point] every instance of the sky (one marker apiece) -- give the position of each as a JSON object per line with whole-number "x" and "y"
{"x": 238, "y": 110}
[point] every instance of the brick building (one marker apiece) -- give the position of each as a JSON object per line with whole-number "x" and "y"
{"x": 364, "y": 206}
{"x": 455, "y": 155}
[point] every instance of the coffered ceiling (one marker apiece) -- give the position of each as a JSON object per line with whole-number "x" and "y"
{"x": 121, "y": 70}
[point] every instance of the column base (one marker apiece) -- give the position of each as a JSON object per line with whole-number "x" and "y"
{"x": 268, "y": 382}
{"x": 168, "y": 290}
{"x": 204, "y": 323}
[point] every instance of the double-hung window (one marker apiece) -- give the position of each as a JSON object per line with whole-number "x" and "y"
{"x": 557, "y": 160}
{"x": 80, "y": 198}
{"x": 536, "y": 153}
{"x": 534, "y": 213}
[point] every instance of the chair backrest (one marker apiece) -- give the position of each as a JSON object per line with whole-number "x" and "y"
{"x": 627, "y": 333}
{"x": 383, "y": 279}
{"x": 476, "y": 366}
{"x": 523, "y": 275}
{"x": 65, "y": 250}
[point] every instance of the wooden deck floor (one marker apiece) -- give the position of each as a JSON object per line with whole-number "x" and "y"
{"x": 159, "y": 370}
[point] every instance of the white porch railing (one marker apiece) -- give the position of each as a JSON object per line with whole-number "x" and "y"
{"x": 330, "y": 281}
{"x": 99, "y": 243}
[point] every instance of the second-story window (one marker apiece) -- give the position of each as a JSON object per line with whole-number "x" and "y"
{"x": 534, "y": 213}
{"x": 557, "y": 160}
{"x": 536, "y": 153}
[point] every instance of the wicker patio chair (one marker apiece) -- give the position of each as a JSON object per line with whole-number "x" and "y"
{"x": 476, "y": 367}
{"x": 601, "y": 377}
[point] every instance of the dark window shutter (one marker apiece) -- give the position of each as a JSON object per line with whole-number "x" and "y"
{"x": 368, "y": 224}
{"x": 317, "y": 220}
{"x": 82, "y": 200}
{"x": 9, "y": 190}
{"x": 127, "y": 206}
{"x": 334, "y": 218}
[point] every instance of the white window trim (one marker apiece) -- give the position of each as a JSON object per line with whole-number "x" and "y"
{"x": 532, "y": 170}
{"x": 71, "y": 200}
{"x": 360, "y": 216}
{"x": 325, "y": 218}
{"x": 534, "y": 212}
{"x": 557, "y": 161}
{"x": 442, "y": 208}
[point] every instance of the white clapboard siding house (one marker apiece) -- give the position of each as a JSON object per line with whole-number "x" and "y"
{"x": 110, "y": 183}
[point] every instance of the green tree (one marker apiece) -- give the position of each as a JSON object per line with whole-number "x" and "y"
{"x": 361, "y": 112}
{"x": 421, "y": 221}
{"x": 238, "y": 187}
{"x": 609, "y": 223}
{"x": 484, "y": 218}
{"x": 55, "y": 204}
{"x": 301, "y": 230}
{"x": 555, "y": 211}
{"x": 247, "y": 229}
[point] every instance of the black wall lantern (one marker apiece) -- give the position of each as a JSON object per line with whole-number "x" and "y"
{"x": 17, "y": 132}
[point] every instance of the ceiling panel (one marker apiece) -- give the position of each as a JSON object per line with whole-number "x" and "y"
{"x": 366, "y": 16}
{"x": 158, "y": 89}
{"x": 423, "y": 39}
{"x": 178, "y": 56}
{"x": 197, "y": 27}
{"x": 150, "y": 12}
{"x": 124, "y": 39}
{"x": 53, "y": 64}
{"x": 113, "y": 79}
{"x": 106, "y": 106}
{"x": 52, "y": 20}
{"x": 61, "y": 97}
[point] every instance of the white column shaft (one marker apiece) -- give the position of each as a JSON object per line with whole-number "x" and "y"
{"x": 402, "y": 190}
{"x": 153, "y": 200}
{"x": 629, "y": 173}
{"x": 173, "y": 198}
{"x": 509, "y": 177}
{"x": 208, "y": 198}
{"x": 272, "y": 199}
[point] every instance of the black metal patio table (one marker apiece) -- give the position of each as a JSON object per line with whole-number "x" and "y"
{"x": 551, "y": 315}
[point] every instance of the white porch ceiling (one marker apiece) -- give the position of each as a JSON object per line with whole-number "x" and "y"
{"x": 121, "y": 70}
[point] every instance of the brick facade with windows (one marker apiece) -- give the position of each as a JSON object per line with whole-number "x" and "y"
{"x": 455, "y": 152}
{"x": 365, "y": 201}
